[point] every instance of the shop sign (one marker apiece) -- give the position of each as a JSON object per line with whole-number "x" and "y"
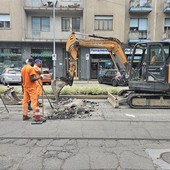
{"x": 98, "y": 51}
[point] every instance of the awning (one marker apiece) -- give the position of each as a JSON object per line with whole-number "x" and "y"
{"x": 41, "y": 55}
{"x": 9, "y": 54}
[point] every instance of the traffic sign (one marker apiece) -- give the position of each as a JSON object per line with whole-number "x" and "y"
{"x": 54, "y": 57}
{"x": 87, "y": 56}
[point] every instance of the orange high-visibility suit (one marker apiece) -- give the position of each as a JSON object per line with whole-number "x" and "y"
{"x": 29, "y": 87}
{"x": 39, "y": 82}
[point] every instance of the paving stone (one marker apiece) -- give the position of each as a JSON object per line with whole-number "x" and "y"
{"x": 134, "y": 160}
{"x": 100, "y": 160}
{"x": 44, "y": 142}
{"x": 77, "y": 162}
{"x": 52, "y": 164}
{"x": 59, "y": 142}
{"x": 31, "y": 143}
{"x": 54, "y": 148}
{"x": 32, "y": 162}
{"x": 64, "y": 155}
{"x": 21, "y": 141}
{"x": 6, "y": 162}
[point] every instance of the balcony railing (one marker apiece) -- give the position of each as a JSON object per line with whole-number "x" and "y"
{"x": 49, "y": 3}
{"x": 138, "y": 36}
{"x": 46, "y": 36}
{"x": 140, "y": 6}
{"x": 167, "y": 6}
{"x": 38, "y": 35}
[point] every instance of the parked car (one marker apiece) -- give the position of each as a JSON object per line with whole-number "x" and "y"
{"x": 10, "y": 76}
{"x": 47, "y": 76}
{"x": 1, "y": 70}
{"x": 109, "y": 77}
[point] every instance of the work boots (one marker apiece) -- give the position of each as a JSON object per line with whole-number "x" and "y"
{"x": 26, "y": 118}
{"x": 29, "y": 105}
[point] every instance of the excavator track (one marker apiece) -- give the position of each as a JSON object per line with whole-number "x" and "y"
{"x": 148, "y": 101}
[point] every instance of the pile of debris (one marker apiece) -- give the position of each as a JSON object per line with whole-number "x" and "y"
{"x": 68, "y": 108}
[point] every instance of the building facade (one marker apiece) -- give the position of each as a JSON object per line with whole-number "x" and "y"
{"x": 40, "y": 28}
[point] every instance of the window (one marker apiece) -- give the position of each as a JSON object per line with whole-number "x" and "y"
{"x": 167, "y": 24}
{"x": 156, "y": 55}
{"x": 76, "y": 24}
{"x": 138, "y": 24}
{"x": 4, "y": 21}
{"x": 41, "y": 24}
{"x": 71, "y": 24}
{"x": 65, "y": 24}
{"x": 10, "y": 57}
{"x": 103, "y": 22}
{"x": 167, "y": 28}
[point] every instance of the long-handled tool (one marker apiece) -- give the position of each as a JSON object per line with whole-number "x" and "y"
{"x": 46, "y": 96}
{"x": 42, "y": 91}
{"x": 4, "y": 104}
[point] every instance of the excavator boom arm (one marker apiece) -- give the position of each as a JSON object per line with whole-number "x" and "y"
{"x": 113, "y": 45}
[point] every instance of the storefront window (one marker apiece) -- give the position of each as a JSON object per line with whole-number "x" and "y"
{"x": 10, "y": 57}
{"x": 44, "y": 54}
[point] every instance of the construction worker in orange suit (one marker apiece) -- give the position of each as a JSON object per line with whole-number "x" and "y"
{"x": 38, "y": 72}
{"x": 29, "y": 87}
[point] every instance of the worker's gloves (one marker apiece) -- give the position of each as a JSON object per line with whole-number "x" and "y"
{"x": 42, "y": 76}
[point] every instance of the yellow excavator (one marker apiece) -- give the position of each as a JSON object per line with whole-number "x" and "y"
{"x": 148, "y": 73}
{"x": 113, "y": 46}
{"x": 149, "y": 83}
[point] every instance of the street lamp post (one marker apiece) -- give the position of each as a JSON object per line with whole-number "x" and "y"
{"x": 52, "y": 3}
{"x": 54, "y": 57}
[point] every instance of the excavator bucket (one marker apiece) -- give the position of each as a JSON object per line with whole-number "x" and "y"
{"x": 57, "y": 86}
{"x": 10, "y": 97}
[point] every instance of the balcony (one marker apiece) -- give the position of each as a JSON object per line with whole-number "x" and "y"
{"x": 45, "y": 7}
{"x": 138, "y": 36}
{"x": 38, "y": 36}
{"x": 167, "y": 7}
{"x": 140, "y": 6}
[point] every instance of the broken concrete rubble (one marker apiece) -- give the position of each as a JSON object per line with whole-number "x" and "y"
{"x": 68, "y": 108}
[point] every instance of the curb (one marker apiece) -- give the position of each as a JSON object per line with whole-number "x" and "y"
{"x": 74, "y": 96}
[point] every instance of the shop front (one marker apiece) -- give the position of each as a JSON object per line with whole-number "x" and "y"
{"x": 43, "y": 54}
{"x": 10, "y": 57}
{"x": 100, "y": 60}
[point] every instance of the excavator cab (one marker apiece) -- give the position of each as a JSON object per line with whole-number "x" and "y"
{"x": 149, "y": 76}
{"x": 149, "y": 72}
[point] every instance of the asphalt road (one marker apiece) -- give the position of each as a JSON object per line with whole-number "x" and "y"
{"x": 105, "y": 139}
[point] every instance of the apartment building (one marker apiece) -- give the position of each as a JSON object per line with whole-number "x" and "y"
{"x": 27, "y": 29}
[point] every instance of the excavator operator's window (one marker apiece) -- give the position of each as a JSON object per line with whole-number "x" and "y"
{"x": 156, "y": 55}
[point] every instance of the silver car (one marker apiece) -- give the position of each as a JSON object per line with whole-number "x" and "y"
{"x": 10, "y": 76}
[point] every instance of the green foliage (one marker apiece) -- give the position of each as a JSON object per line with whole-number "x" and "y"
{"x": 2, "y": 89}
{"x": 93, "y": 90}
{"x": 82, "y": 89}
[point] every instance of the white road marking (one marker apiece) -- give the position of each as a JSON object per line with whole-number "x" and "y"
{"x": 130, "y": 115}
